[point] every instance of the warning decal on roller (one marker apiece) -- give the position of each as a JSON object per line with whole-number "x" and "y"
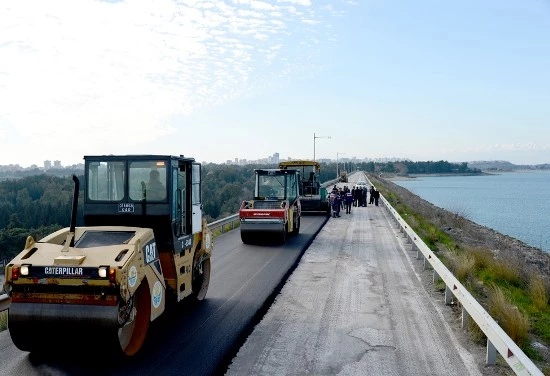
{"x": 132, "y": 276}
{"x": 157, "y": 294}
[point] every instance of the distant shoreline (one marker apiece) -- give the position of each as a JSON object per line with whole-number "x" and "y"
{"x": 393, "y": 177}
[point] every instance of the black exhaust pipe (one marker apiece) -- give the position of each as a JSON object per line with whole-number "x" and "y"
{"x": 75, "y": 207}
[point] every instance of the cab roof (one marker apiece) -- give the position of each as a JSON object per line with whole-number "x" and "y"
{"x": 137, "y": 157}
{"x": 299, "y": 162}
{"x": 274, "y": 171}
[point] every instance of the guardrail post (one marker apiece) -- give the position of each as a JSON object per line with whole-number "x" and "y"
{"x": 448, "y": 295}
{"x": 427, "y": 264}
{"x": 465, "y": 318}
{"x": 436, "y": 276}
{"x": 491, "y": 358}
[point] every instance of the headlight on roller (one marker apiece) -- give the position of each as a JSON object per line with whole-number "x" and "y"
{"x": 25, "y": 270}
{"x": 102, "y": 271}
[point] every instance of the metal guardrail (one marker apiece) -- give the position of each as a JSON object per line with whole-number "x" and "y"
{"x": 225, "y": 224}
{"x": 497, "y": 339}
{"x": 4, "y": 302}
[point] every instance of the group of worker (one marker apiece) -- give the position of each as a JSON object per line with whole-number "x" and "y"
{"x": 341, "y": 198}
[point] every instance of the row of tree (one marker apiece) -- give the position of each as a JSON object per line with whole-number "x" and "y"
{"x": 39, "y": 204}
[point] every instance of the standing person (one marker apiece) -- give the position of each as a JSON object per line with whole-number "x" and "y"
{"x": 376, "y": 197}
{"x": 331, "y": 197}
{"x": 364, "y": 197}
{"x": 371, "y": 194}
{"x": 357, "y": 197}
{"x": 349, "y": 200}
{"x": 335, "y": 204}
{"x": 353, "y": 195}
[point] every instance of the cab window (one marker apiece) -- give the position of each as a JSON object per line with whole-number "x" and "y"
{"x": 106, "y": 181}
{"x": 147, "y": 180}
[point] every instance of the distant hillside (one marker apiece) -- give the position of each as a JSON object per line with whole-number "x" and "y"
{"x": 505, "y": 166}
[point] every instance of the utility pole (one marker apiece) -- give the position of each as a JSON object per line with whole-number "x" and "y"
{"x": 337, "y": 174}
{"x": 315, "y": 139}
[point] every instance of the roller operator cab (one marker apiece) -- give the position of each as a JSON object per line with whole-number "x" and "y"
{"x": 275, "y": 211}
{"x": 143, "y": 244}
{"x": 313, "y": 196}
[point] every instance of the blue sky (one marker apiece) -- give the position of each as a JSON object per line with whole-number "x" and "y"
{"x": 218, "y": 80}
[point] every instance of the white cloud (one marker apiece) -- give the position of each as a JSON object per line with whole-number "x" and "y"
{"x": 304, "y": 3}
{"x": 517, "y": 147}
{"x": 310, "y": 21}
{"x": 118, "y": 72}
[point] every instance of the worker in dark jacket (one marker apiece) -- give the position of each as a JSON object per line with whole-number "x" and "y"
{"x": 376, "y": 197}
{"x": 357, "y": 197}
{"x": 349, "y": 201}
{"x": 364, "y": 197}
{"x": 371, "y": 194}
{"x": 336, "y": 205}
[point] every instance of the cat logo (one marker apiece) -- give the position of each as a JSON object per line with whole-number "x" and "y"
{"x": 150, "y": 252}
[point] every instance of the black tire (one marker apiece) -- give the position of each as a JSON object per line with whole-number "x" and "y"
{"x": 200, "y": 279}
{"x": 296, "y": 229}
{"x": 283, "y": 235}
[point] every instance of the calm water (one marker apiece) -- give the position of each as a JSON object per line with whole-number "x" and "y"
{"x": 514, "y": 203}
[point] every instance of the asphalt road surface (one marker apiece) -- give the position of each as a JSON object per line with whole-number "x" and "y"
{"x": 189, "y": 340}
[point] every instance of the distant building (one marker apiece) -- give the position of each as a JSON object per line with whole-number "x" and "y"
{"x": 47, "y": 165}
{"x": 57, "y": 164}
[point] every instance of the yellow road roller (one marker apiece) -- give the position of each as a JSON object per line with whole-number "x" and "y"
{"x": 143, "y": 244}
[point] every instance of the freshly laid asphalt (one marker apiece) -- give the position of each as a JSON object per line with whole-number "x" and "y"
{"x": 188, "y": 340}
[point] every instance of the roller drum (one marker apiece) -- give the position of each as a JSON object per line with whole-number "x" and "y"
{"x": 39, "y": 326}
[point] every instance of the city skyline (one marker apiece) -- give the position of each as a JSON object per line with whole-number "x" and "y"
{"x": 47, "y": 165}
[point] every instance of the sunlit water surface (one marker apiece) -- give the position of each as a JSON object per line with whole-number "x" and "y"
{"x": 513, "y": 203}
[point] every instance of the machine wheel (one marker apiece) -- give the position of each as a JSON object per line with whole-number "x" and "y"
{"x": 131, "y": 335}
{"x": 246, "y": 238}
{"x": 296, "y": 228}
{"x": 200, "y": 278}
{"x": 283, "y": 235}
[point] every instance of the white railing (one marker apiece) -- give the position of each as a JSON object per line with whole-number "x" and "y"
{"x": 225, "y": 224}
{"x": 497, "y": 339}
{"x": 4, "y": 302}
